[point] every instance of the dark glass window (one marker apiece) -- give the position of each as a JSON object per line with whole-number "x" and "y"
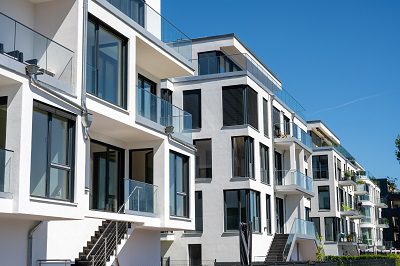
{"x": 264, "y": 164}
{"x": 192, "y": 105}
{"x": 147, "y": 99}
{"x": 265, "y": 117}
{"x": 3, "y": 121}
{"x": 195, "y": 254}
{"x": 216, "y": 62}
{"x": 331, "y": 228}
{"x": 268, "y": 214}
{"x": 52, "y": 154}
{"x": 276, "y": 122}
{"x": 132, "y": 8}
{"x": 203, "y": 158}
{"x": 317, "y": 224}
{"x": 242, "y": 206}
{"x": 338, "y": 169}
{"x": 239, "y": 106}
{"x": 286, "y": 125}
{"x": 324, "y": 198}
{"x": 320, "y": 167}
{"x": 179, "y": 184}
{"x": 106, "y": 63}
{"x": 198, "y": 202}
{"x": 307, "y": 213}
{"x": 243, "y": 157}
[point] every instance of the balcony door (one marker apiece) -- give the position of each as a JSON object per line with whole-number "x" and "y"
{"x": 147, "y": 98}
{"x": 278, "y": 168}
{"x": 106, "y": 177}
{"x": 280, "y": 222}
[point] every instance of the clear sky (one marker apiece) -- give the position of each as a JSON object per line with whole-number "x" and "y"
{"x": 340, "y": 59}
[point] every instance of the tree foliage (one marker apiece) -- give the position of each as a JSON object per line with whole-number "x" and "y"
{"x": 397, "y": 142}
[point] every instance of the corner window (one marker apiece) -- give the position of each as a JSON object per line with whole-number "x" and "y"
{"x": 243, "y": 157}
{"x": 242, "y": 206}
{"x": 239, "y": 106}
{"x": 192, "y": 105}
{"x": 323, "y": 198}
{"x": 316, "y": 221}
{"x": 52, "y": 154}
{"x": 320, "y": 166}
{"x": 264, "y": 164}
{"x": 106, "y": 63}
{"x": 216, "y": 62}
{"x": 179, "y": 184}
{"x": 203, "y": 158}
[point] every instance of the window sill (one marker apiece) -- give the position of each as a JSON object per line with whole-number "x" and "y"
{"x": 178, "y": 218}
{"x": 192, "y": 234}
{"x": 324, "y": 210}
{"x": 321, "y": 179}
{"x": 230, "y": 233}
{"x": 202, "y": 180}
{"x": 108, "y": 104}
{"x": 240, "y": 127}
{"x": 53, "y": 201}
{"x": 265, "y": 183}
{"x": 241, "y": 178}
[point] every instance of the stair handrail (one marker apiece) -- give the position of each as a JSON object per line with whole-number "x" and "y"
{"x": 109, "y": 225}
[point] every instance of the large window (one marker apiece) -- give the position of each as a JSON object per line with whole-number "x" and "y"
{"x": 203, "y": 158}
{"x": 242, "y": 206}
{"x": 320, "y": 166}
{"x": 132, "y": 8}
{"x": 192, "y": 105}
{"x": 316, "y": 221}
{"x": 331, "y": 228}
{"x": 264, "y": 164}
{"x": 323, "y": 198}
{"x": 265, "y": 117}
{"x": 198, "y": 202}
{"x": 239, "y": 106}
{"x": 194, "y": 254}
{"x": 52, "y": 154}
{"x": 216, "y": 62}
{"x": 106, "y": 63}
{"x": 179, "y": 184}
{"x": 276, "y": 122}
{"x": 243, "y": 157}
{"x": 268, "y": 214}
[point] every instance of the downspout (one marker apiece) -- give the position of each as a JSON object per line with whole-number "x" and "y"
{"x": 84, "y": 49}
{"x": 30, "y": 238}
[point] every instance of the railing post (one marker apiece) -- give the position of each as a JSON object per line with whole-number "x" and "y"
{"x": 105, "y": 250}
{"x": 116, "y": 238}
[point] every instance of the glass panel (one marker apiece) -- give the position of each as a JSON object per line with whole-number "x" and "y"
{"x": 142, "y": 165}
{"x": 233, "y": 105}
{"x": 199, "y": 211}
{"x": 59, "y": 140}
{"x": 172, "y": 186}
{"x": 192, "y": 105}
{"x": 39, "y": 153}
{"x": 3, "y": 121}
{"x": 59, "y": 184}
{"x": 252, "y": 108}
{"x": 91, "y": 59}
{"x": 203, "y": 158}
{"x": 231, "y": 210}
{"x": 238, "y": 157}
{"x": 113, "y": 176}
{"x": 324, "y": 199}
{"x": 5, "y": 170}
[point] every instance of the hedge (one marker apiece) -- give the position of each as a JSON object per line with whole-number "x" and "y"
{"x": 339, "y": 259}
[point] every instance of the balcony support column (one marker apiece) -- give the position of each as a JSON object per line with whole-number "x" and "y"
{"x": 301, "y": 161}
{"x": 292, "y": 156}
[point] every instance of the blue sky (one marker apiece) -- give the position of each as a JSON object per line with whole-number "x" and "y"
{"x": 340, "y": 59}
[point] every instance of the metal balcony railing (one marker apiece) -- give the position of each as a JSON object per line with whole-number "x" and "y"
{"x": 290, "y": 129}
{"x": 27, "y": 46}
{"x": 293, "y": 177}
{"x": 156, "y": 24}
{"x": 243, "y": 62}
{"x": 5, "y": 170}
{"x": 140, "y": 197}
{"x": 163, "y": 113}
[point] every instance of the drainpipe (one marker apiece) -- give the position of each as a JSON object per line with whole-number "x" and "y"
{"x": 30, "y": 238}
{"x": 84, "y": 49}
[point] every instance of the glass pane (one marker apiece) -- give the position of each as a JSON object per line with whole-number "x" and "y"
{"x": 98, "y": 159}
{"x": 59, "y": 184}
{"x": 113, "y": 175}
{"x": 231, "y": 210}
{"x": 203, "y": 158}
{"x": 199, "y": 211}
{"x": 238, "y": 157}
{"x": 3, "y": 121}
{"x": 59, "y": 140}
{"x": 91, "y": 58}
{"x": 172, "y": 187}
{"x": 39, "y": 153}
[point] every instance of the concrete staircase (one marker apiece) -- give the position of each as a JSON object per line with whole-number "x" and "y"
{"x": 277, "y": 248}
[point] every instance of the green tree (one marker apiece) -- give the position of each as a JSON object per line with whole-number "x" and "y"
{"x": 397, "y": 142}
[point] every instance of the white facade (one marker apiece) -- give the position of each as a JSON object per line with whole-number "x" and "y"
{"x": 54, "y": 214}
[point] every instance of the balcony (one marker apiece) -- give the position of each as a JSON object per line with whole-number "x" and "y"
{"x": 347, "y": 210}
{"x": 244, "y": 63}
{"x": 140, "y": 198}
{"x": 361, "y": 189}
{"x": 5, "y": 173}
{"x": 158, "y": 114}
{"x": 285, "y": 133}
{"x": 148, "y": 18}
{"x": 380, "y": 203}
{"x": 382, "y": 223}
{"x": 25, "y": 45}
{"x": 347, "y": 179}
{"x": 364, "y": 198}
{"x": 293, "y": 182}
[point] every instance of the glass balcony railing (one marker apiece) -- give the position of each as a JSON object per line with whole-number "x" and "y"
{"x": 152, "y": 21}
{"x": 290, "y": 129}
{"x": 140, "y": 197}
{"x": 27, "y": 46}
{"x": 163, "y": 113}
{"x": 348, "y": 177}
{"x": 365, "y": 197}
{"x": 264, "y": 176}
{"x": 243, "y": 62}
{"x": 293, "y": 177}
{"x": 5, "y": 170}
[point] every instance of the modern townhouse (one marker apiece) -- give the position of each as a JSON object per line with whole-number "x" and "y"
{"x": 346, "y": 207}
{"x": 95, "y": 158}
{"x": 253, "y": 159}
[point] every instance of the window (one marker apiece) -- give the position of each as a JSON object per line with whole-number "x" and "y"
{"x": 320, "y": 166}
{"x": 132, "y": 8}
{"x": 203, "y": 158}
{"x": 276, "y": 122}
{"x": 243, "y": 157}
{"x": 366, "y": 212}
{"x": 242, "y": 206}
{"x": 179, "y": 184}
{"x": 265, "y": 117}
{"x": 339, "y": 169}
{"x": 331, "y": 228}
{"x": 192, "y": 105}
{"x": 3, "y": 121}
{"x": 323, "y": 198}
{"x": 286, "y": 125}
{"x": 307, "y": 213}
{"x": 264, "y": 164}
{"x": 147, "y": 99}
{"x": 106, "y": 63}
{"x": 268, "y": 214}
{"x": 52, "y": 154}
{"x": 198, "y": 202}
{"x": 216, "y": 62}
{"x": 317, "y": 224}
{"x": 239, "y": 106}
{"x": 194, "y": 254}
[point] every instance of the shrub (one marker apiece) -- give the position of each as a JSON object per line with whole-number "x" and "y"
{"x": 341, "y": 259}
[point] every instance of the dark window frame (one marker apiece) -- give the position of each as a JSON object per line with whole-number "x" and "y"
{"x": 197, "y": 175}
{"x": 265, "y": 117}
{"x": 319, "y": 199}
{"x": 199, "y": 213}
{"x": 320, "y": 172}
{"x": 266, "y": 168}
{"x": 268, "y": 213}
{"x": 248, "y": 157}
{"x": 197, "y": 93}
{"x": 185, "y": 183}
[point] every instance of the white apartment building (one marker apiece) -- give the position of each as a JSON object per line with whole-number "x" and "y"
{"x": 253, "y": 160}
{"x": 95, "y": 158}
{"x": 346, "y": 207}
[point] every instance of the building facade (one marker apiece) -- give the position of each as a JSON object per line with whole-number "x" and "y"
{"x": 95, "y": 157}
